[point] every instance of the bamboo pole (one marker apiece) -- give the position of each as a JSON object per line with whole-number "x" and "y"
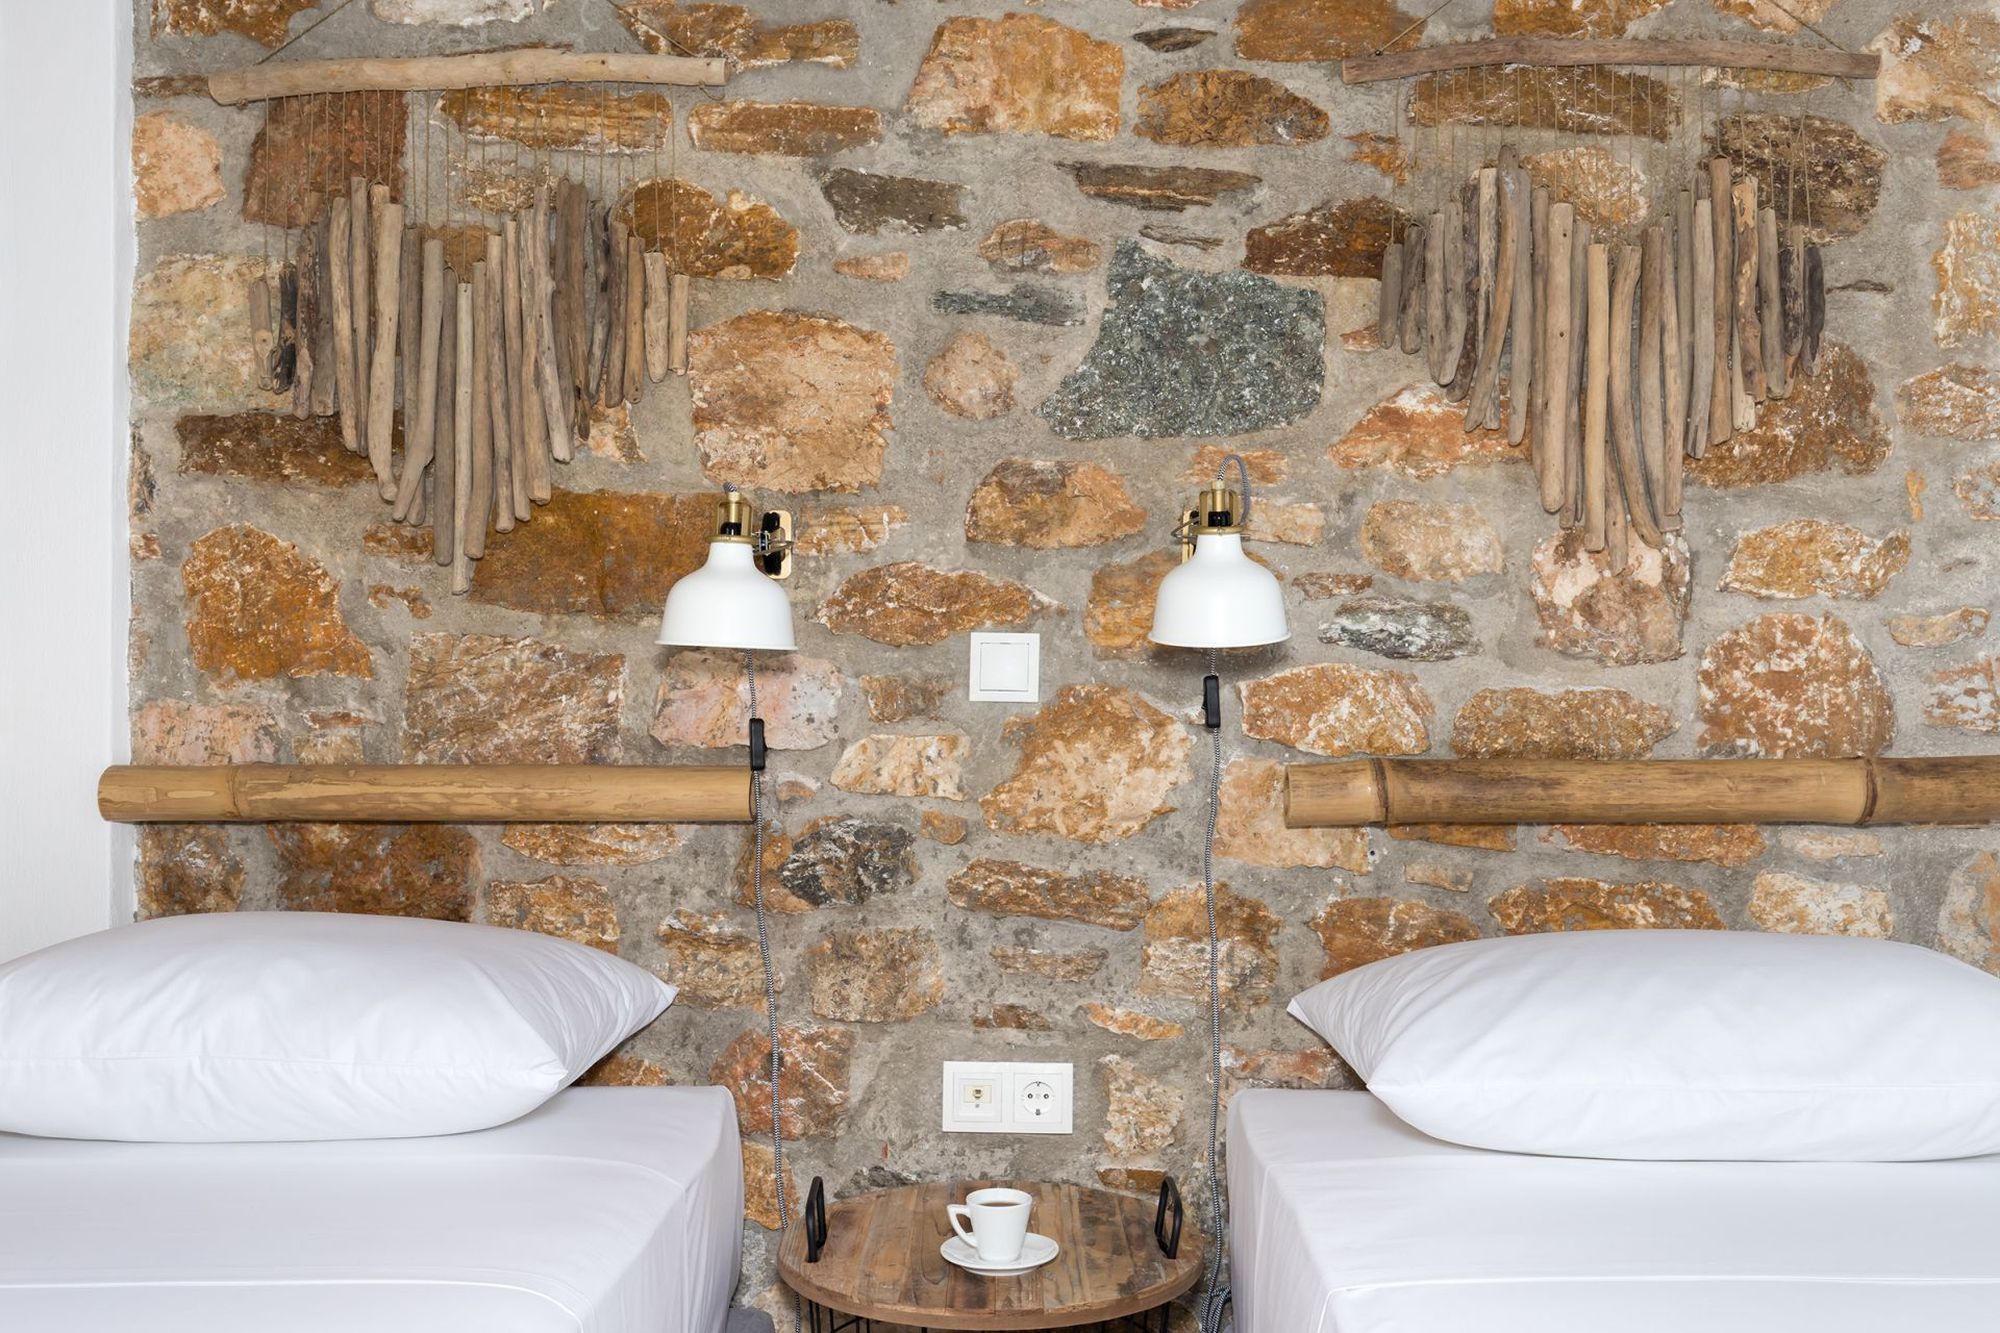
{"x": 1596, "y": 449}
{"x": 1570, "y": 52}
{"x": 677, "y": 323}
{"x": 426, "y": 794}
{"x": 1959, "y": 789}
{"x": 486, "y": 69}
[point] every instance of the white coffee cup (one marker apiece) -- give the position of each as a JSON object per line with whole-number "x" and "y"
{"x": 998, "y": 1219}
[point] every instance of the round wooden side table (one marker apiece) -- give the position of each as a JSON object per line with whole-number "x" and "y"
{"x": 873, "y": 1260}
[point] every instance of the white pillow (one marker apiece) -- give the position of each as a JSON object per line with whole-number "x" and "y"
{"x": 238, "y": 1026}
{"x": 1732, "y": 1045}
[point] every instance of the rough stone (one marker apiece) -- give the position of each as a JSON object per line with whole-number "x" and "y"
{"x": 1967, "y": 304}
{"x": 812, "y": 1086}
{"x": 1026, "y": 302}
{"x": 1010, "y": 888}
{"x": 399, "y": 542}
{"x": 1142, "y": 1114}
{"x": 760, "y": 1191}
{"x": 917, "y": 766}
{"x": 825, "y": 531}
{"x": 1586, "y": 609}
{"x": 1978, "y": 489}
{"x": 1795, "y": 158}
{"x": 1316, "y": 30}
{"x": 1335, "y": 709}
{"x": 459, "y": 13}
{"x": 1166, "y": 233}
{"x": 1728, "y": 845}
{"x": 1010, "y": 1018}
{"x": 1320, "y": 586}
{"x": 259, "y": 608}
{"x": 185, "y": 868}
{"x": 1771, "y": 17}
{"x": 1096, "y": 765}
{"x": 1384, "y": 152}
{"x": 1132, "y": 1023}
{"x": 715, "y": 965}
{"x": 176, "y": 167}
{"x": 307, "y": 148}
{"x": 1593, "y": 904}
{"x": 972, "y": 378}
{"x": 423, "y": 870}
{"x": 785, "y": 129}
{"x": 892, "y": 266}
{"x": 1399, "y": 628}
{"x": 1522, "y": 723}
{"x": 190, "y": 343}
{"x": 1966, "y": 161}
{"x": 866, "y": 203}
{"x": 1969, "y": 925}
{"x": 1937, "y": 67}
{"x": 733, "y": 237}
{"x": 592, "y": 844}
{"x": 704, "y": 700}
{"x": 1251, "y": 825}
{"x": 1227, "y": 108}
{"x": 1174, "y": 961}
{"x": 1967, "y": 697}
{"x": 1358, "y": 931}
{"x": 569, "y": 117}
{"x": 1045, "y": 504}
{"x": 1168, "y": 40}
{"x": 1416, "y": 433}
{"x": 1267, "y": 466}
{"x": 1050, "y": 964}
{"x": 1940, "y": 630}
{"x": 267, "y": 446}
{"x": 1427, "y": 542}
{"x": 1436, "y": 875}
{"x": 732, "y": 32}
{"x": 939, "y": 827}
{"x": 1571, "y": 18}
{"x": 611, "y": 555}
{"x": 382, "y": 596}
{"x": 874, "y": 976}
{"x": 1329, "y": 240}
{"x": 1797, "y": 905}
{"x": 1157, "y": 189}
{"x": 1788, "y": 686}
{"x": 900, "y": 698}
{"x": 791, "y": 402}
{"x": 910, "y": 603}
{"x": 1017, "y": 74}
{"x": 1030, "y": 245}
{"x": 1582, "y": 100}
{"x": 566, "y": 906}
{"x": 1822, "y": 845}
{"x": 1957, "y": 402}
{"x": 1316, "y": 1068}
{"x": 1606, "y": 192}
{"x": 174, "y": 731}
{"x": 482, "y": 699}
{"x": 843, "y": 859}
{"x": 618, "y": 1070}
{"x": 1809, "y": 557}
{"x": 1120, "y": 609}
{"x": 262, "y": 21}
{"x": 1478, "y": 837}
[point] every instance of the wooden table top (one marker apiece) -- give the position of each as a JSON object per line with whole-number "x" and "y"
{"x": 881, "y": 1260}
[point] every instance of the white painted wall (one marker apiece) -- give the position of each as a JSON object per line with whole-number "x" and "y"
{"x": 65, "y": 279}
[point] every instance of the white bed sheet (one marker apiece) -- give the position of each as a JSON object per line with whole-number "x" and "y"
{"x": 1345, "y": 1220}
{"x": 608, "y": 1210}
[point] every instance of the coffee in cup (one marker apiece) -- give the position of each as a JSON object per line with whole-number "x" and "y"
{"x": 994, "y": 1222}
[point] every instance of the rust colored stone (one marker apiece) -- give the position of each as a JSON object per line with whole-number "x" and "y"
{"x": 1570, "y": 18}
{"x": 1096, "y": 765}
{"x": 400, "y": 542}
{"x": 1788, "y": 686}
{"x": 1522, "y": 723}
{"x": 1958, "y": 402}
{"x": 1227, "y": 108}
{"x": 1120, "y": 609}
{"x": 1797, "y": 905}
{"x": 760, "y": 1190}
{"x": 812, "y": 1086}
{"x": 1030, "y": 245}
{"x": 1358, "y": 931}
{"x": 563, "y": 117}
{"x": 1384, "y": 152}
{"x": 422, "y": 870}
{"x": 1790, "y": 16}
{"x": 972, "y": 378}
{"x": 1593, "y": 904}
{"x": 732, "y": 32}
{"x": 917, "y": 766}
{"x": 482, "y": 699}
{"x": 1822, "y": 845}
{"x": 1416, "y": 433}
{"x": 259, "y": 608}
{"x": 1619, "y": 618}
{"x": 1934, "y": 68}
{"x": 1437, "y": 875}
{"x": 1329, "y": 240}
{"x": 1046, "y": 504}
{"x": 846, "y": 531}
{"x": 173, "y": 731}
{"x": 262, "y": 21}
{"x": 1251, "y": 827}
{"x": 1965, "y": 161}
{"x": 893, "y": 266}
{"x": 1050, "y": 964}
{"x": 1316, "y": 1068}
{"x": 1479, "y": 837}
{"x": 1967, "y": 697}
{"x": 566, "y": 906}
{"x": 901, "y": 698}
{"x": 704, "y": 701}
{"x": 307, "y": 148}
{"x": 1978, "y": 489}
{"x": 874, "y": 976}
{"x": 1728, "y": 845}
{"x": 1796, "y": 157}
{"x": 706, "y": 237}
{"x": 1967, "y": 304}
{"x": 949, "y": 830}
{"x": 1940, "y": 630}
{"x": 1604, "y": 191}
{"x": 1320, "y": 587}
{"x": 1969, "y": 926}
{"x": 1010, "y": 1018}
{"x": 1142, "y": 1115}
{"x": 1174, "y": 961}
{"x": 1267, "y": 466}
{"x": 910, "y": 603}
{"x": 1335, "y": 709}
{"x": 1809, "y": 557}
{"x": 791, "y": 402}
{"x": 1010, "y": 888}
{"x": 190, "y": 342}
{"x": 784, "y": 129}
{"x": 1157, "y": 189}
{"x": 611, "y": 555}
{"x": 592, "y": 844}
{"x": 618, "y": 1070}
{"x": 1315, "y": 30}
{"x": 267, "y": 446}
{"x": 1132, "y": 1023}
{"x": 382, "y": 596}
{"x": 715, "y": 965}
{"x": 1413, "y": 539}
{"x": 186, "y": 868}
{"x": 176, "y": 167}
{"x": 1581, "y": 99}
{"x": 1017, "y": 74}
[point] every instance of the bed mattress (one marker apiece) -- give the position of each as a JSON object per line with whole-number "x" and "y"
{"x": 608, "y": 1210}
{"x": 1345, "y": 1220}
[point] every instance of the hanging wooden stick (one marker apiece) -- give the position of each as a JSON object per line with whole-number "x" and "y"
{"x": 325, "y": 355}
{"x": 600, "y": 307}
{"x": 1454, "y": 289}
{"x": 1651, "y": 432}
{"x": 513, "y": 358}
{"x": 409, "y": 321}
{"x": 1521, "y": 370}
{"x": 1749, "y": 330}
{"x": 1639, "y": 507}
{"x": 1673, "y": 388}
{"x": 1573, "y": 399}
{"x": 1792, "y": 292}
{"x": 1434, "y": 284}
{"x": 388, "y": 218}
{"x": 420, "y": 425}
{"x": 677, "y": 323}
{"x": 1465, "y": 281}
{"x": 489, "y": 400}
{"x": 656, "y": 316}
{"x": 555, "y": 412}
{"x": 1416, "y": 250}
{"x": 1597, "y": 387}
{"x": 1484, "y": 403}
{"x": 1389, "y": 310}
{"x": 1815, "y": 311}
{"x": 635, "y": 317}
{"x": 510, "y": 495}
{"x": 340, "y": 254}
{"x": 1617, "y": 523}
{"x": 477, "y": 405}
{"x": 307, "y": 268}
{"x": 1683, "y": 260}
{"x": 451, "y": 493}
{"x": 534, "y": 427}
{"x": 1721, "y": 408}
{"x": 1700, "y": 367}
{"x": 263, "y": 332}
{"x": 360, "y": 276}
{"x": 285, "y": 317}
{"x": 466, "y": 516}
{"x": 1556, "y": 394}
{"x": 611, "y": 386}
{"x": 1770, "y": 314}
{"x": 1489, "y": 251}
{"x": 573, "y": 301}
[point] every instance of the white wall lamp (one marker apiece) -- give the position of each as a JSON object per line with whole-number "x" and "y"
{"x": 1217, "y": 598}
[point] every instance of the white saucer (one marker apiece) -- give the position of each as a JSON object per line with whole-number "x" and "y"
{"x": 1036, "y": 1250}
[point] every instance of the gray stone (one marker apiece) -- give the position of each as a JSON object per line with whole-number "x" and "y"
{"x": 1183, "y": 353}
{"x": 1028, "y": 302}
{"x": 1173, "y": 39}
{"x": 866, "y": 203}
{"x": 1397, "y": 627}
{"x": 849, "y": 861}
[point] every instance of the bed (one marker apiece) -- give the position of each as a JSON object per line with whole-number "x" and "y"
{"x": 1345, "y": 1220}
{"x": 607, "y": 1210}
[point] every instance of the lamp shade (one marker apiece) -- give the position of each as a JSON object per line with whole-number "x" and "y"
{"x": 1219, "y": 598}
{"x": 728, "y": 603}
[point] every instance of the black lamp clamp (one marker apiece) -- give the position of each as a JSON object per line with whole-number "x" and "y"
{"x": 768, "y": 534}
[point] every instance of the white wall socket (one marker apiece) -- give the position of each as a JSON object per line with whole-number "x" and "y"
{"x": 1007, "y": 1097}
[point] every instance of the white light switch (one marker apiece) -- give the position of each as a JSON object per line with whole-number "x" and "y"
{"x": 1007, "y": 668}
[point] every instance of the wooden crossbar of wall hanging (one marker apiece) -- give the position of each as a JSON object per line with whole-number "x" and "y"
{"x": 1957, "y": 790}
{"x": 302, "y": 78}
{"x": 426, "y": 794}
{"x": 1551, "y": 52}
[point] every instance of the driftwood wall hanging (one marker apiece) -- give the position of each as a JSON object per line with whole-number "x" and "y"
{"x": 1614, "y": 347}
{"x": 464, "y": 321}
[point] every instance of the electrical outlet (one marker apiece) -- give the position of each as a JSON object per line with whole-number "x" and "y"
{"x": 1007, "y": 1097}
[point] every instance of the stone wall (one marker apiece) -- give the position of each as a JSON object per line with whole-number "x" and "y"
{"x": 985, "y": 293}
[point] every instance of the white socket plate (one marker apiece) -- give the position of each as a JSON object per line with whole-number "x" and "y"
{"x": 1049, "y": 1111}
{"x": 1006, "y": 668}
